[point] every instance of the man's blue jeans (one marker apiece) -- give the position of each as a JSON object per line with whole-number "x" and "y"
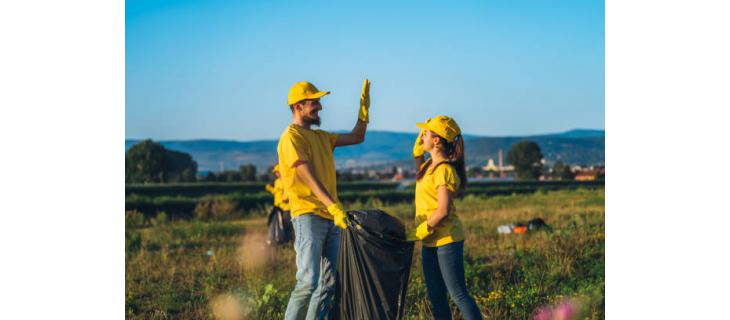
{"x": 316, "y": 243}
{"x": 443, "y": 269}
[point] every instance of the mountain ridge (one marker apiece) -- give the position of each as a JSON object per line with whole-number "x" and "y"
{"x": 382, "y": 148}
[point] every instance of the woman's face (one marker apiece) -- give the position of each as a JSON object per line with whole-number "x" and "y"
{"x": 429, "y": 140}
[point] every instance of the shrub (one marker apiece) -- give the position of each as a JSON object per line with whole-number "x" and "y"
{"x": 202, "y": 189}
{"x": 216, "y": 208}
{"x": 160, "y": 219}
{"x": 230, "y": 205}
{"x": 133, "y": 219}
{"x": 132, "y": 241}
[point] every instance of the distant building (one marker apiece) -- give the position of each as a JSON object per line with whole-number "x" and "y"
{"x": 586, "y": 175}
{"x": 498, "y": 170}
{"x": 398, "y": 176}
{"x": 495, "y": 168}
{"x": 576, "y": 168}
{"x": 490, "y": 166}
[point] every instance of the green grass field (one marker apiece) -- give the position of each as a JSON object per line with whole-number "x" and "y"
{"x": 208, "y": 270}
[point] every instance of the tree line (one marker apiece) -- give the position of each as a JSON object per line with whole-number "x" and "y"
{"x": 150, "y": 162}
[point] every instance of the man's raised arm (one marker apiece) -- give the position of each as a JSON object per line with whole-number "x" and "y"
{"x": 357, "y": 135}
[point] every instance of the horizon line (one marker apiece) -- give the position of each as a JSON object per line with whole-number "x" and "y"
{"x": 385, "y": 131}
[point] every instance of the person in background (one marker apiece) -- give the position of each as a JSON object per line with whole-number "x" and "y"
{"x": 307, "y": 168}
{"x": 439, "y": 229}
{"x": 280, "y": 211}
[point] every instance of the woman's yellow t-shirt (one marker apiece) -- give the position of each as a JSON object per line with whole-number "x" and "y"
{"x": 449, "y": 229}
{"x": 280, "y": 198}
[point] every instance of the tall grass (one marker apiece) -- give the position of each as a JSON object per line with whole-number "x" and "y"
{"x": 201, "y": 270}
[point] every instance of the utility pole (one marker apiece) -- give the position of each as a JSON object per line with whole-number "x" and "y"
{"x": 501, "y": 168}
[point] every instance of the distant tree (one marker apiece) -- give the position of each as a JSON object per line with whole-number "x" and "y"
{"x": 474, "y": 171}
{"x": 268, "y": 175}
{"x": 244, "y": 173}
{"x": 145, "y": 162}
{"x": 231, "y": 176}
{"x": 562, "y": 172}
{"x": 342, "y": 176}
{"x": 149, "y": 161}
{"x": 248, "y": 172}
{"x": 346, "y": 176}
{"x": 525, "y": 156}
{"x": 180, "y": 167}
{"x": 600, "y": 174}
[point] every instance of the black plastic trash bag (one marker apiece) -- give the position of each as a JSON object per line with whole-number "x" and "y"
{"x": 373, "y": 266}
{"x": 536, "y": 224}
{"x": 280, "y": 227}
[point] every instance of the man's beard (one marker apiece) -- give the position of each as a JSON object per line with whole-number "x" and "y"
{"x": 312, "y": 121}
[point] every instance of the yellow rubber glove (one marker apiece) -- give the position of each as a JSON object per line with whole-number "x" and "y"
{"x": 420, "y": 233}
{"x": 418, "y": 146}
{"x": 363, "y": 115}
{"x": 340, "y": 217}
{"x": 270, "y": 188}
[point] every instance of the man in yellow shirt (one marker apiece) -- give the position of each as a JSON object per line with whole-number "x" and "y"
{"x": 307, "y": 168}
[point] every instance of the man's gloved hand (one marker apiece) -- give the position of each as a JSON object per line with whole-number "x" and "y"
{"x": 363, "y": 115}
{"x": 418, "y": 146}
{"x": 336, "y": 211}
{"x": 420, "y": 233}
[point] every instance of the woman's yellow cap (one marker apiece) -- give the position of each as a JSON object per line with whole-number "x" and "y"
{"x": 304, "y": 90}
{"x": 443, "y": 126}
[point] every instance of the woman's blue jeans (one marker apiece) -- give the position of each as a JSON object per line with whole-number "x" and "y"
{"x": 443, "y": 270}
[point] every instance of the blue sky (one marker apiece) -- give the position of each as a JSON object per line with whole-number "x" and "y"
{"x": 222, "y": 69}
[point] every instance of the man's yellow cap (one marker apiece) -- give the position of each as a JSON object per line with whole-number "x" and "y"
{"x": 304, "y": 90}
{"x": 443, "y": 126}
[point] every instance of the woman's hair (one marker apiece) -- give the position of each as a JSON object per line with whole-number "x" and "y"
{"x": 455, "y": 154}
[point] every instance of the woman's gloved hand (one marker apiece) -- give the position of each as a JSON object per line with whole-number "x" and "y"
{"x": 418, "y": 145}
{"x": 421, "y": 232}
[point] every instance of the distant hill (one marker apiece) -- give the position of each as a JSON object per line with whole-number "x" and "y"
{"x": 581, "y": 133}
{"x": 384, "y": 148}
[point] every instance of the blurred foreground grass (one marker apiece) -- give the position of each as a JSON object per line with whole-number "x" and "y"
{"x": 209, "y": 270}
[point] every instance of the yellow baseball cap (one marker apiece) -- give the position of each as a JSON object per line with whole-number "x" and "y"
{"x": 443, "y": 126}
{"x": 304, "y": 90}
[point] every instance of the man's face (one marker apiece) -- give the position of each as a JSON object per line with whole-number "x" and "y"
{"x": 310, "y": 111}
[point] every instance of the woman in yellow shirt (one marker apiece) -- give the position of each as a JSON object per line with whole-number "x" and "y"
{"x": 281, "y": 200}
{"x": 438, "y": 227}
{"x": 279, "y": 221}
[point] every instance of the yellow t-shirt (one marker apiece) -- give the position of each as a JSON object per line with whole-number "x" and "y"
{"x": 280, "y": 198}
{"x": 449, "y": 229}
{"x": 316, "y": 147}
